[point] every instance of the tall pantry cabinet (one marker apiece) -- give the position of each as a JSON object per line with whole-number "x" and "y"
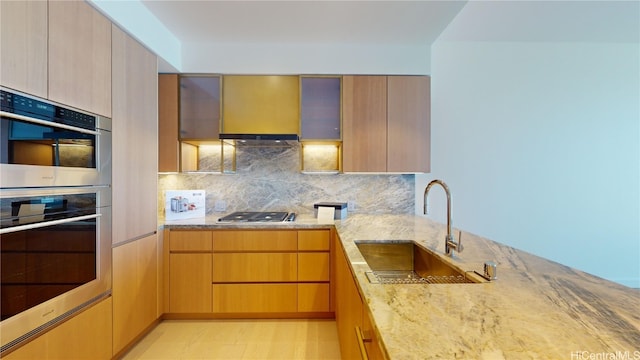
{"x": 135, "y": 167}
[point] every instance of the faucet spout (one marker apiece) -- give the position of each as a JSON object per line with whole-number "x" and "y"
{"x": 450, "y": 242}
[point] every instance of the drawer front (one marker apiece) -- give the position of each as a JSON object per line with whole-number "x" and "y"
{"x": 313, "y": 297}
{"x": 313, "y": 266}
{"x": 251, "y": 298}
{"x": 255, "y": 240}
{"x": 313, "y": 240}
{"x": 180, "y": 240}
{"x": 254, "y": 267}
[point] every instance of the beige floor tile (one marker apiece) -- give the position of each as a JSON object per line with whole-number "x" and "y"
{"x": 239, "y": 339}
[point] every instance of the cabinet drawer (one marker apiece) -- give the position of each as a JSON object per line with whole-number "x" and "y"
{"x": 313, "y": 240}
{"x": 313, "y": 297}
{"x": 242, "y": 298}
{"x": 313, "y": 266}
{"x": 254, "y": 267}
{"x": 247, "y": 240}
{"x": 190, "y": 240}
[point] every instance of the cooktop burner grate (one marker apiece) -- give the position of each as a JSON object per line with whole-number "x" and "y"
{"x": 257, "y": 216}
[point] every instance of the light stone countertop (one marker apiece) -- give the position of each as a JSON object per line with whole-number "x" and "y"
{"x": 536, "y": 309}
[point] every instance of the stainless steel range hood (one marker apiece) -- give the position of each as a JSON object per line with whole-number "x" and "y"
{"x": 262, "y": 139}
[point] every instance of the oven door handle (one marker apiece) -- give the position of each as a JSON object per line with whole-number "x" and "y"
{"x": 46, "y": 123}
{"x": 47, "y": 223}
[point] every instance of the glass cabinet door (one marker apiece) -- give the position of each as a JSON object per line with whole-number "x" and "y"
{"x": 199, "y": 107}
{"x": 320, "y": 108}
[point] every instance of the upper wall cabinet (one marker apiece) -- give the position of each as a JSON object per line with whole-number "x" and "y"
{"x": 79, "y": 56}
{"x": 320, "y": 108}
{"x": 409, "y": 124}
{"x": 386, "y": 124}
{"x": 364, "y": 106}
{"x": 260, "y": 104}
{"x": 199, "y": 107}
{"x": 23, "y": 40}
{"x": 168, "y": 123}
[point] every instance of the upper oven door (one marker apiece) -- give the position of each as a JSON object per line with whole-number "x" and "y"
{"x": 44, "y": 144}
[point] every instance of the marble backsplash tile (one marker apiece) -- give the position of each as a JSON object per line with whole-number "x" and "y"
{"x": 269, "y": 178}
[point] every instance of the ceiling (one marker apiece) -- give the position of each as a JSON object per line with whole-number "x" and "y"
{"x": 407, "y": 22}
{"x": 381, "y": 34}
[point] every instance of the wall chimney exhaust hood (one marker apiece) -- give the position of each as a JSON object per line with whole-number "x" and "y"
{"x": 262, "y": 139}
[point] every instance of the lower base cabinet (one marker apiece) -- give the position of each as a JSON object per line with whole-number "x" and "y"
{"x": 245, "y": 273}
{"x": 355, "y": 331}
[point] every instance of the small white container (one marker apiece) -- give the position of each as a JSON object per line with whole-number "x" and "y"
{"x": 340, "y": 209}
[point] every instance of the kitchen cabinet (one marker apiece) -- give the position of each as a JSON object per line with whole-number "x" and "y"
{"x": 134, "y": 190}
{"x": 386, "y": 124}
{"x": 320, "y": 108}
{"x": 134, "y": 126}
{"x": 260, "y": 104}
{"x": 408, "y": 124}
{"x": 355, "y": 331}
{"x": 189, "y": 276}
{"x": 79, "y": 56}
{"x": 233, "y": 273}
{"x": 168, "y": 123}
{"x": 23, "y": 46}
{"x": 364, "y": 123}
{"x": 84, "y": 336}
{"x": 189, "y": 125}
{"x": 199, "y": 107}
{"x": 135, "y": 289}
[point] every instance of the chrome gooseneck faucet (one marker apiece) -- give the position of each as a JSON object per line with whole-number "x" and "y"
{"x": 450, "y": 242}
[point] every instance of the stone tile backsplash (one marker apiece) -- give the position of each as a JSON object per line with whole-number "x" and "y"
{"x": 269, "y": 178}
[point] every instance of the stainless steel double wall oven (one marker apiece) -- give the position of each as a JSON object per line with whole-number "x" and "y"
{"x": 55, "y": 204}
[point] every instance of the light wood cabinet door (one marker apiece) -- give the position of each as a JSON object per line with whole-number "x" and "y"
{"x": 168, "y": 123}
{"x": 254, "y": 267}
{"x": 84, "y": 336}
{"x": 255, "y": 298}
{"x": 135, "y": 118}
{"x": 408, "y": 119}
{"x": 313, "y": 297}
{"x": 135, "y": 289}
{"x": 364, "y": 123}
{"x": 260, "y": 104}
{"x": 348, "y": 307}
{"x": 371, "y": 342}
{"x": 255, "y": 240}
{"x": 80, "y": 56}
{"x": 190, "y": 283}
{"x": 23, "y": 46}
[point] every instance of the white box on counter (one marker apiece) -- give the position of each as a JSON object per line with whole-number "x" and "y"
{"x": 340, "y": 209}
{"x": 184, "y": 204}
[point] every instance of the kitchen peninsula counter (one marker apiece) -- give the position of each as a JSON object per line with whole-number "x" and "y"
{"x": 536, "y": 309}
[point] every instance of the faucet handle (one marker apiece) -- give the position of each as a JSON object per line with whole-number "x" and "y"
{"x": 459, "y": 246}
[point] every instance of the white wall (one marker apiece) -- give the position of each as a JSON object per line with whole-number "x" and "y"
{"x": 539, "y": 143}
{"x": 277, "y": 58}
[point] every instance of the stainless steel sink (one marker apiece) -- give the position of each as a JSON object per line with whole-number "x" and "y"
{"x": 405, "y": 262}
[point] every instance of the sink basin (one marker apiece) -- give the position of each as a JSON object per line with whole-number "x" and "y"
{"x": 405, "y": 262}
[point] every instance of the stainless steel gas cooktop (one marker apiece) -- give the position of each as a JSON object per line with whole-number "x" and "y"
{"x": 258, "y": 216}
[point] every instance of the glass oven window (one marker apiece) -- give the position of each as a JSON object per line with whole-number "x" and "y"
{"x": 27, "y": 143}
{"x": 53, "y": 252}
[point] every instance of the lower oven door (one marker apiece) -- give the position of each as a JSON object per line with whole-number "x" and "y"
{"x": 55, "y": 256}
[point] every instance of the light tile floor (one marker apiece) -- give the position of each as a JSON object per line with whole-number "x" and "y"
{"x": 239, "y": 339}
